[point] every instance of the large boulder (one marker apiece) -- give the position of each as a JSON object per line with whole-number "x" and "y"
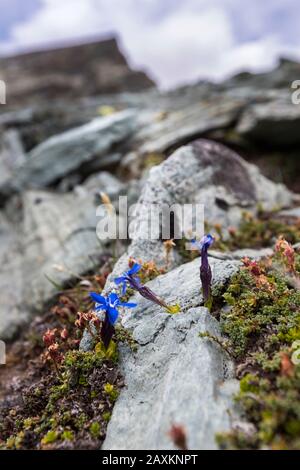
{"x": 203, "y": 172}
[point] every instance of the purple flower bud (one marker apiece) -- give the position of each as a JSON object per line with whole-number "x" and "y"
{"x": 205, "y": 270}
{"x": 130, "y": 278}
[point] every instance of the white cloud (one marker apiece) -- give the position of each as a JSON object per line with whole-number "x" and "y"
{"x": 178, "y": 41}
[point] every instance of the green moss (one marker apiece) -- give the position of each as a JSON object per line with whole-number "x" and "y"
{"x": 256, "y": 231}
{"x": 272, "y": 312}
{"x": 82, "y": 361}
{"x": 152, "y": 159}
{"x": 50, "y": 437}
{"x": 262, "y": 325}
{"x": 249, "y": 383}
{"x": 106, "y": 416}
{"x": 59, "y": 421}
{"x": 67, "y": 435}
{"x": 125, "y": 336}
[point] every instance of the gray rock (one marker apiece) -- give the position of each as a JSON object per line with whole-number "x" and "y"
{"x": 191, "y": 117}
{"x": 60, "y": 241}
{"x": 279, "y": 78}
{"x": 294, "y": 213}
{"x": 12, "y": 155}
{"x": 274, "y": 122}
{"x": 174, "y": 377}
{"x": 11, "y": 279}
{"x": 16, "y": 117}
{"x": 51, "y": 243}
{"x": 89, "y": 147}
{"x": 252, "y": 253}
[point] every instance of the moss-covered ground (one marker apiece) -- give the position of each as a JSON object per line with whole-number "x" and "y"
{"x": 261, "y": 322}
{"x": 62, "y": 405}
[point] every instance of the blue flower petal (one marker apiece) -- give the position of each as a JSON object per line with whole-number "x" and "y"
{"x": 196, "y": 244}
{"x": 119, "y": 280}
{"x": 128, "y": 304}
{"x": 98, "y": 298}
{"x": 207, "y": 240}
{"x": 113, "y": 299}
{"x": 135, "y": 268}
{"x": 100, "y": 307}
{"x": 124, "y": 288}
{"x": 112, "y": 314}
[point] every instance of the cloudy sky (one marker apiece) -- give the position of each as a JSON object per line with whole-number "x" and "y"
{"x": 178, "y": 41}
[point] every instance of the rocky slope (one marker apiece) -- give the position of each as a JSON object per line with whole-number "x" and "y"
{"x": 57, "y": 158}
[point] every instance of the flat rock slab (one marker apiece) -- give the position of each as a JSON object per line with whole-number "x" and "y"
{"x": 274, "y": 123}
{"x": 175, "y": 376}
{"x": 90, "y": 144}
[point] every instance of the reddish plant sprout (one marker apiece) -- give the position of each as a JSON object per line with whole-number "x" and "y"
{"x": 252, "y": 266}
{"x": 74, "y": 343}
{"x": 177, "y": 434}
{"x": 80, "y": 322}
{"x": 66, "y": 308}
{"x": 64, "y": 334}
{"x": 53, "y": 351}
{"x": 287, "y": 254}
{"x": 258, "y": 273}
{"x": 85, "y": 320}
{"x": 232, "y": 231}
{"x": 286, "y": 365}
{"x": 168, "y": 247}
{"x": 50, "y": 337}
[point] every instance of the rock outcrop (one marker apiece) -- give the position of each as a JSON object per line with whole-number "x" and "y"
{"x": 204, "y": 173}
{"x": 74, "y": 71}
{"x": 47, "y": 243}
{"x": 172, "y": 364}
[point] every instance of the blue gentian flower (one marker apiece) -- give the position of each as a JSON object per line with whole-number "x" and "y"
{"x": 110, "y": 305}
{"x": 205, "y": 269}
{"x": 129, "y": 278}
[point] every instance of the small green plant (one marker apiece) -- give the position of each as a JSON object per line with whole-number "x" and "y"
{"x": 50, "y": 437}
{"x": 95, "y": 429}
{"x": 111, "y": 391}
